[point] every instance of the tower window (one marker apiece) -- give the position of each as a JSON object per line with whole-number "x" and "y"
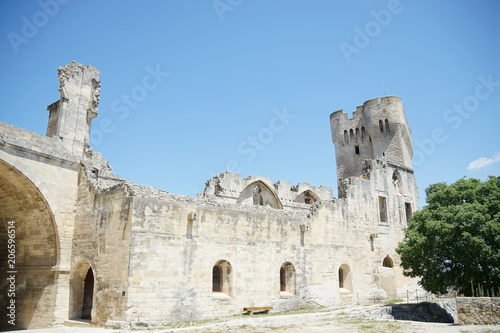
{"x": 346, "y": 137}
{"x": 387, "y": 128}
{"x": 381, "y": 126}
{"x": 356, "y": 150}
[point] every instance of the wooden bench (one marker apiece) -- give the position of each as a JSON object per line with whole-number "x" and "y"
{"x": 263, "y": 309}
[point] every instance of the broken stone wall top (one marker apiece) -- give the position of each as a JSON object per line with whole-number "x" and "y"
{"x": 255, "y": 190}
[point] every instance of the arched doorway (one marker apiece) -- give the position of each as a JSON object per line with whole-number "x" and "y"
{"x": 88, "y": 295}
{"x": 81, "y": 295}
{"x": 287, "y": 278}
{"x": 26, "y": 216}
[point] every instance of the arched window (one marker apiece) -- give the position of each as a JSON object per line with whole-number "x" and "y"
{"x": 381, "y": 126}
{"x": 345, "y": 277}
{"x": 287, "y": 278}
{"x": 222, "y": 277}
{"x": 351, "y": 135}
{"x": 388, "y": 262}
{"x": 357, "y": 134}
{"x": 363, "y": 134}
{"x": 387, "y": 128}
{"x": 346, "y": 138}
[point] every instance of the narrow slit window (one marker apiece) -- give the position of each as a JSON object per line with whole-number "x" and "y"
{"x": 382, "y": 203}
{"x": 408, "y": 211}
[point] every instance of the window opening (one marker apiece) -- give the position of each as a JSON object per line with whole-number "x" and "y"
{"x": 388, "y": 262}
{"x": 216, "y": 279}
{"x": 282, "y": 279}
{"x": 408, "y": 211}
{"x": 382, "y": 203}
{"x": 356, "y": 150}
{"x": 257, "y": 196}
{"x": 307, "y": 198}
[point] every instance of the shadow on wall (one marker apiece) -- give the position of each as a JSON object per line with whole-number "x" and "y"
{"x": 425, "y": 312}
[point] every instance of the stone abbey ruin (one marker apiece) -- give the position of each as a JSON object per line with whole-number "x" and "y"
{"x": 89, "y": 244}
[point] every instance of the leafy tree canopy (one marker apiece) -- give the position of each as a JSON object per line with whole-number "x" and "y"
{"x": 454, "y": 241}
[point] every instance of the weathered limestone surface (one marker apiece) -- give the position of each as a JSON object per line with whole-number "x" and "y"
{"x": 91, "y": 244}
{"x": 478, "y": 310}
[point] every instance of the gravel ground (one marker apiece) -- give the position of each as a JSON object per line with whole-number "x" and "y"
{"x": 354, "y": 319}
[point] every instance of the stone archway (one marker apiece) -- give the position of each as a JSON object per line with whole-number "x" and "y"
{"x": 26, "y": 217}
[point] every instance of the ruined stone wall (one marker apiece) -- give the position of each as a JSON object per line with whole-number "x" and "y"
{"x": 176, "y": 241}
{"x": 101, "y": 243}
{"x": 230, "y": 187}
{"x": 172, "y": 256}
{"x": 478, "y": 310}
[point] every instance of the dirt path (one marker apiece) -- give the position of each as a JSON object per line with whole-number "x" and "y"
{"x": 359, "y": 319}
{"x": 355, "y": 319}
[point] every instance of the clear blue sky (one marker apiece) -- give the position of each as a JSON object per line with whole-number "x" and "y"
{"x": 227, "y": 68}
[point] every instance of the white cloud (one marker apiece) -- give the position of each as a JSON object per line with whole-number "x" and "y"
{"x": 484, "y": 162}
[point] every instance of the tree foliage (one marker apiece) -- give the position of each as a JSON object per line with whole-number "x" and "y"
{"x": 454, "y": 241}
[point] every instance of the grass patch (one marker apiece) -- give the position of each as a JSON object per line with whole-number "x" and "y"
{"x": 393, "y": 301}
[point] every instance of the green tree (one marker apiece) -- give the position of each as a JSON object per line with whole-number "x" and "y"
{"x": 454, "y": 241}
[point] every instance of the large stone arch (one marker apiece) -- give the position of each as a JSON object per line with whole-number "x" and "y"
{"x": 25, "y": 210}
{"x": 307, "y": 197}
{"x": 267, "y": 196}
